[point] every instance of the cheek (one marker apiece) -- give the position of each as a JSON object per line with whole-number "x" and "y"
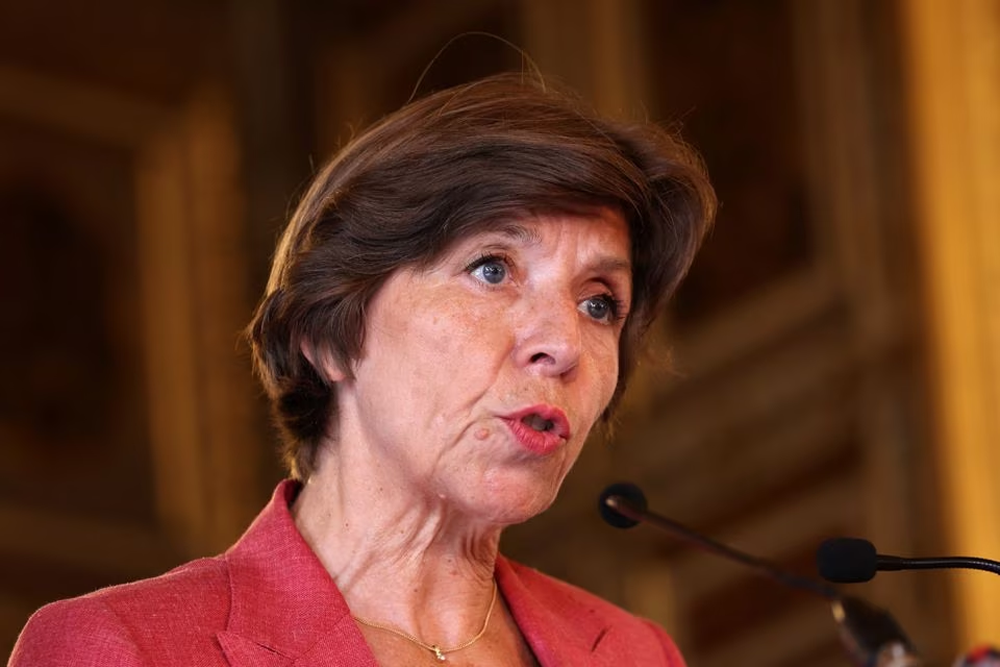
{"x": 471, "y": 326}
{"x": 606, "y": 358}
{"x": 455, "y": 347}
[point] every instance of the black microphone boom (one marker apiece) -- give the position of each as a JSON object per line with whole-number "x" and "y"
{"x": 870, "y": 635}
{"x": 849, "y": 560}
{"x": 623, "y": 505}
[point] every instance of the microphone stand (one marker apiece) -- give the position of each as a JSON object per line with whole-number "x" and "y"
{"x": 626, "y": 509}
{"x": 870, "y": 635}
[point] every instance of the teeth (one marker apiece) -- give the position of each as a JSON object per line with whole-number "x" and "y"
{"x": 538, "y": 423}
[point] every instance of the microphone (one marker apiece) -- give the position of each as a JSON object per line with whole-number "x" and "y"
{"x": 870, "y": 635}
{"x": 850, "y": 560}
{"x": 623, "y": 505}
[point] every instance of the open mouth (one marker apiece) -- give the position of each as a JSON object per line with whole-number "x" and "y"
{"x": 537, "y": 422}
{"x": 541, "y": 429}
{"x": 543, "y": 419}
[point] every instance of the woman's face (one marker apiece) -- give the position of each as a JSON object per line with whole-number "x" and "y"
{"x": 482, "y": 375}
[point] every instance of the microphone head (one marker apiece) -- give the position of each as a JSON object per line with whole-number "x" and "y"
{"x": 629, "y": 492}
{"x": 847, "y": 560}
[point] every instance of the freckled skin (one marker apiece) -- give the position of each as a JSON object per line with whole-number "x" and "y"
{"x": 427, "y": 463}
{"x": 448, "y": 354}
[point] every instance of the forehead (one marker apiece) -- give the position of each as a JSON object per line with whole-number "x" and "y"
{"x": 597, "y": 225}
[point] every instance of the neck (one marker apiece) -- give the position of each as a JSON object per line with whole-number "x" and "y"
{"x": 398, "y": 557}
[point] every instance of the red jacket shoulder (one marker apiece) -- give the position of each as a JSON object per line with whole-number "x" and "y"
{"x": 178, "y": 613}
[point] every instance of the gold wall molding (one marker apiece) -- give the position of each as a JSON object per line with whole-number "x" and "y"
{"x": 953, "y": 66}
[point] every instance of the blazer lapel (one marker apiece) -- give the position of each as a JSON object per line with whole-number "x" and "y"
{"x": 558, "y": 630}
{"x": 285, "y": 609}
{"x": 243, "y": 652}
{"x": 344, "y": 646}
{"x": 338, "y": 649}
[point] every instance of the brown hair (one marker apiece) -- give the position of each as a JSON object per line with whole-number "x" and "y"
{"x": 436, "y": 171}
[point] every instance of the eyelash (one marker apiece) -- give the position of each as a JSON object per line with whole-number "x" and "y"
{"x": 616, "y": 307}
{"x": 486, "y": 258}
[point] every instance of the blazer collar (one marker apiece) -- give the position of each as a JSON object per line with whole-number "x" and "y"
{"x": 560, "y": 629}
{"x": 277, "y": 584}
{"x": 285, "y": 607}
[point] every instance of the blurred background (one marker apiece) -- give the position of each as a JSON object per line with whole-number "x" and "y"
{"x": 835, "y": 353}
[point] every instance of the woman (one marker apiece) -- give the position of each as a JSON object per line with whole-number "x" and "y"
{"x": 456, "y": 302}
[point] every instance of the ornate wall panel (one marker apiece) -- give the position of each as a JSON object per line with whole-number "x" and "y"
{"x": 123, "y": 430}
{"x": 953, "y": 66}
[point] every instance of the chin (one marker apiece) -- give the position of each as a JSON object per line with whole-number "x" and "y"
{"x": 511, "y": 504}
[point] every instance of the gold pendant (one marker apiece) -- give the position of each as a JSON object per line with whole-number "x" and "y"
{"x": 437, "y": 653}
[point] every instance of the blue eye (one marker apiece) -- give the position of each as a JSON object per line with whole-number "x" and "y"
{"x": 489, "y": 269}
{"x": 603, "y": 308}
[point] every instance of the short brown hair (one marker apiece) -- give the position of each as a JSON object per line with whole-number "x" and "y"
{"x": 436, "y": 171}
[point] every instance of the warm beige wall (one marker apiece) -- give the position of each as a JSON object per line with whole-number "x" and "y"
{"x": 953, "y": 65}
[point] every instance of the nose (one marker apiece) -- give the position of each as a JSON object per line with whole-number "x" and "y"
{"x": 550, "y": 338}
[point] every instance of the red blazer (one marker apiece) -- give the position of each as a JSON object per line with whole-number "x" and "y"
{"x": 269, "y": 602}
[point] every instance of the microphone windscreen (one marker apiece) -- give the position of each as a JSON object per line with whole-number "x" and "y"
{"x": 629, "y": 492}
{"x": 847, "y": 560}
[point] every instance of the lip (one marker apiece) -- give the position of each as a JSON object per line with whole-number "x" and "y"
{"x": 539, "y": 442}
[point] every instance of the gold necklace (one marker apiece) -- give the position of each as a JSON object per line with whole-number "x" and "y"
{"x": 438, "y": 651}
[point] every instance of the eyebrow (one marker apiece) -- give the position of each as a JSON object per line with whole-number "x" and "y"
{"x": 523, "y": 234}
{"x": 612, "y": 264}
{"x": 518, "y": 232}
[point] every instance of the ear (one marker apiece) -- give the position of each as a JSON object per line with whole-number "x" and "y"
{"x": 323, "y": 362}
